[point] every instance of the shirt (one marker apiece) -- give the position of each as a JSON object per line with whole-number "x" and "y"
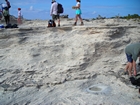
{"x": 134, "y": 50}
{"x": 19, "y": 13}
{"x": 78, "y": 4}
{"x": 54, "y": 9}
{"x": 5, "y": 13}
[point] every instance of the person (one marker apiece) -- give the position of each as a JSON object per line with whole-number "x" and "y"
{"x": 8, "y": 4}
{"x": 132, "y": 52}
{"x": 53, "y": 12}
{"x": 0, "y": 13}
{"x": 19, "y": 16}
{"x": 78, "y": 12}
{"x": 6, "y": 15}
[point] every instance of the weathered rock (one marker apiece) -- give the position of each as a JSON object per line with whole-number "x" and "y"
{"x": 40, "y": 65}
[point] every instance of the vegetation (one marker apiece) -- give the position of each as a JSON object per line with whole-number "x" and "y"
{"x": 131, "y": 16}
{"x": 134, "y": 16}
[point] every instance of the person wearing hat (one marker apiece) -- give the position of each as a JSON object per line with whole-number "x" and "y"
{"x": 19, "y": 16}
{"x": 53, "y": 12}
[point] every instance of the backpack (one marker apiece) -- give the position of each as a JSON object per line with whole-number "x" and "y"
{"x": 60, "y": 8}
{"x": 135, "y": 80}
{"x": 14, "y": 26}
{"x": 8, "y": 26}
{"x": 51, "y": 23}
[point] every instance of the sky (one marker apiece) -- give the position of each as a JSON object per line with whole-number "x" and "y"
{"x": 40, "y": 9}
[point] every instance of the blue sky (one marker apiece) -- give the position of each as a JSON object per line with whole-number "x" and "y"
{"x": 40, "y": 9}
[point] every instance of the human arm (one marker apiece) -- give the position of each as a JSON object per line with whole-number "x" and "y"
{"x": 77, "y": 6}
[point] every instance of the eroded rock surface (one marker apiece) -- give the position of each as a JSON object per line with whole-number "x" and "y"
{"x": 54, "y": 66}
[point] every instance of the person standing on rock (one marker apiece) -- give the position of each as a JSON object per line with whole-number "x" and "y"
{"x": 19, "y": 21}
{"x": 53, "y": 12}
{"x": 6, "y": 15}
{"x": 78, "y": 12}
{"x": 132, "y": 53}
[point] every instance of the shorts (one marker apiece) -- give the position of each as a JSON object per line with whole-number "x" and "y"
{"x": 55, "y": 17}
{"x": 78, "y": 12}
{"x": 129, "y": 58}
{"x": 0, "y": 15}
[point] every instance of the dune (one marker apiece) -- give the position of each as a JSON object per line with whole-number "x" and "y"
{"x": 59, "y": 66}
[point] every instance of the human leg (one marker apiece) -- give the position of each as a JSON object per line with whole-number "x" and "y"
{"x": 5, "y": 17}
{"x": 58, "y": 18}
{"x": 58, "y": 22}
{"x": 8, "y": 19}
{"x": 19, "y": 20}
{"x": 134, "y": 68}
{"x": 76, "y": 19}
{"x": 129, "y": 65}
{"x": 81, "y": 20}
{"x": 130, "y": 68}
{"x": 54, "y": 18}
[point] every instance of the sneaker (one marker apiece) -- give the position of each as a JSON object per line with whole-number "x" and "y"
{"x": 82, "y": 23}
{"x": 58, "y": 25}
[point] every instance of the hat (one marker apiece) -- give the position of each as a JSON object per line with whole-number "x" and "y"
{"x": 19, "y": 8}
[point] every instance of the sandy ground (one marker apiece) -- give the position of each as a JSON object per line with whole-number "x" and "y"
{"x": 59, "y": 66}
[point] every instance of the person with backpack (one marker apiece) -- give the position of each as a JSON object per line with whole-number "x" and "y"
{"x": 132, "y": 52}
{"x": 78, "y": 12}
{"x": 54, "y": 12}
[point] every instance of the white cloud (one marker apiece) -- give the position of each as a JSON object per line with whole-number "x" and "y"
{"x": 94, "y": 12}
{"x": 31, "y": 8}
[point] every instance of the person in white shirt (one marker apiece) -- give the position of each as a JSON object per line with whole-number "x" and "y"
{"x": 19, "y": 16}
{"x": 78, "y": 12}
{"x": 53, "y": 12}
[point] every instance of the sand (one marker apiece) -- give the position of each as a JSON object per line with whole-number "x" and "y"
{"x": 57, "y": 66}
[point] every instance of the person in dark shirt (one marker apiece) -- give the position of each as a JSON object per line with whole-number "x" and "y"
{"x": 132, "y": 53}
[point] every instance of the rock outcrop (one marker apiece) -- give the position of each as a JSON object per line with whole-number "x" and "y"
{"x": 55, "y": 66}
